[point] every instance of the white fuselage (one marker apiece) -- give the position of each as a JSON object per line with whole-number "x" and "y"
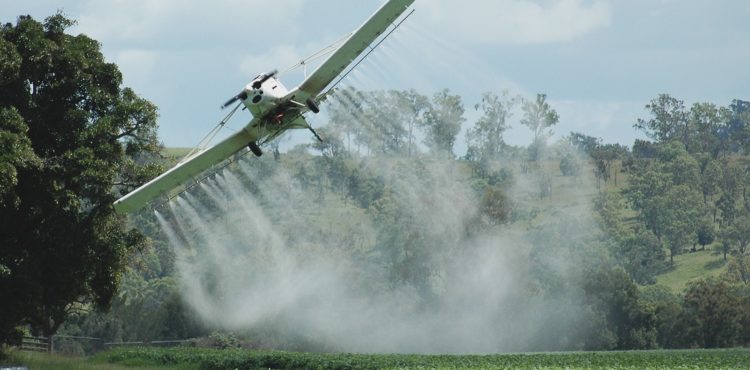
{"x": 266, "y": 98}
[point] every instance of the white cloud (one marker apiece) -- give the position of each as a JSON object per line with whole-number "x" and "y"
{"x": 279, "y": 57}
{"x": 180, "y": 24}
{"x": 138, "y": 68}
{"x": 515, "y": 21}
{"x": 611, "y": 120}
{"x": 136, "y": 62}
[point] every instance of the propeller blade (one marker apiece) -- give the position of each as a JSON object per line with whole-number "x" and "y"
{"x": 256, "y": 85}
{"x": 230, "y": 101}
{"x": 263, "y": 78}
{"x": 242, "y": 95}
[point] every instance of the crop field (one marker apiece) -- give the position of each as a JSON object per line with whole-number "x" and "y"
{"x": 191, "y": 358}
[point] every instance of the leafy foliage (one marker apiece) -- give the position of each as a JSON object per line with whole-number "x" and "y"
{"x": 69, "y": 134}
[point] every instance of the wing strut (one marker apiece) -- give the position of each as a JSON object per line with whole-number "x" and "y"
{"x": 318, "y": 54}
{"x": 211, "y": 134}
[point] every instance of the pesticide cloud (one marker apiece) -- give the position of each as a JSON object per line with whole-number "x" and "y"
{"x": 412, "y": 263}
{"x": 261, "y": 247}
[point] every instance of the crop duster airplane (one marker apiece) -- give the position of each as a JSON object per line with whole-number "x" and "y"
{"x": 274, "y": 108}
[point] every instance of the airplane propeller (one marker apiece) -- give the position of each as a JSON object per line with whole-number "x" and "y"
{"x": 263, "y": 78}
{"x": 256, "y": 85}
{"x": 242, "y": 95}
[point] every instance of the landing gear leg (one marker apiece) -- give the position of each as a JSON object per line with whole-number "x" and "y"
{"x": 255, "y": 149}
{"x": 315, "y": 133}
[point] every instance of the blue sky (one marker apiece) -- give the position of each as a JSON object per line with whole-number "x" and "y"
{"x": 599, "y": 61}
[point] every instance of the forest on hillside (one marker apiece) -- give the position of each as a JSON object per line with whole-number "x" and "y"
{"x": 569, "y": 236}
{"x": 379, "y": 238}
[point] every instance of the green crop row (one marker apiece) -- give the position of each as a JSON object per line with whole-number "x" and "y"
{"x": 209, "y": 359}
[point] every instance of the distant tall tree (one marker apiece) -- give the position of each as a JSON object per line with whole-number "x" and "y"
{"x": 705, "y": 122}
{"x": 710, "y": 179}
{"x": 538, "y": 116}
{"x": 668, "y": 122}
{"x": 605, "y": 158}
{"x": 332, "y": 145}
{"x": 413, "y": 106}
{"x": 706, "y": 232}
{"x": 731, "y": 187}
{"x": 679, "y": 217}
{"x": 738, "y": 234}
{"x": 70, "y": 134}
{"x": 643, "y": 149}
{"x": 443, "y": 122}
{"x": 601, "y": 172}
{"x": 646, "y": 185}
{"x": 736, "y": 131}
{"x": 584, "y": 143}
{"x": 485, "y": 139}
{"x": 387, "y": 132}
{"x": 677, "y": 162}
{"x": 344, "y": 109}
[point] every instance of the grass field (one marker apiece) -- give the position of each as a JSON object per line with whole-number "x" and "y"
{"x": 191, "y": 358}
{"x": 692, "y": 266}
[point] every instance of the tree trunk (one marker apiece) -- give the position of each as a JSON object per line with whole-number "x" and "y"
{"x": 615, "y": 170}
{"x": 411, "y": 124}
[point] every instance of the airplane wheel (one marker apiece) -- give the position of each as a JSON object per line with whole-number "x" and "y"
{"x": 312, "y": 105}
{"x": 255, "y": 149}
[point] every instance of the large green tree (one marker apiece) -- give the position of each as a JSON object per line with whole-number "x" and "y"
{"x": 669, "y": 120}
{"x": 681, "y": 209}
{"x": 713, "y": 316}
{"x": 737, "y": 234}
{"x": 70, "y": 135}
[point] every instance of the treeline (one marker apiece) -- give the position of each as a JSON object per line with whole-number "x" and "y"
{"x": 688, "y": 187}
{"x": 684, "y": 194}
{"x": 689, "y": 190}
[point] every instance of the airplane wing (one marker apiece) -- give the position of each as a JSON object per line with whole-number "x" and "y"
{"x": 351, "y": 48}
{"x": 186, "y": 170}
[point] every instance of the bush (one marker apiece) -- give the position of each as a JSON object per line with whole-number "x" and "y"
{"x": 223, "y": 340}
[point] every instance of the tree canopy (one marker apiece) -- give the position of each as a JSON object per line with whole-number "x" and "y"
{"x": 70, "y": 135}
